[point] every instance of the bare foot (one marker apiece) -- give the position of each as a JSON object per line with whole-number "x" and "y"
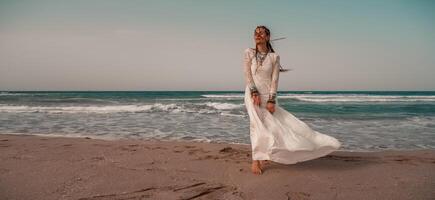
{"x": 256, "y": 168}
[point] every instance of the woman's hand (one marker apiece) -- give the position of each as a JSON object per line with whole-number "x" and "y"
{"x": 270, "y": 107}
{"x": 257, "y": 99}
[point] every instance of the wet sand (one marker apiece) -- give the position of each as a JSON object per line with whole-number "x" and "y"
{"x": 36, "y": 167}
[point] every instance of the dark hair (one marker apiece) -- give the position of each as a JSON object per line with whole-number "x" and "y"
{"x": 269, "y": 46}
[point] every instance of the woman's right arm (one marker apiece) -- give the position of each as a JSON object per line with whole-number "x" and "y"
{"x": 247, "y": 60}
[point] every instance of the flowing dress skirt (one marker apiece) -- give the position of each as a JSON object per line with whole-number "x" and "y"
{"x": 283, "y": 138}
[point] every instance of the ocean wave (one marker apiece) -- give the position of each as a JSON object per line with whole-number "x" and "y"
{"x": 309, "y": 97}
{"x": 80, "y": 100}
{"x": 12, "y": 94}
{"x": 237, "y": 96}
{"x": 208, "y": 107}
{"x": 234, "y": 115}
{"x": 181, "y": 99}
{"x": 224, "y": 106}
{"x": 26, "y": 94}
{"x": 83, "y": 109}
{"x": 358, "y": 98}
{"x": 426, "y": 121}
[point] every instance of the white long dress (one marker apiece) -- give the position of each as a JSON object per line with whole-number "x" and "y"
{"x": 279, "y": 137}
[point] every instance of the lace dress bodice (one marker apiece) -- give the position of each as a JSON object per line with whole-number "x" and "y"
{"x": 265, "y": 77}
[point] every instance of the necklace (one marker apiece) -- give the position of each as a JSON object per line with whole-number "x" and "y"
{"x": 260, "y": 57}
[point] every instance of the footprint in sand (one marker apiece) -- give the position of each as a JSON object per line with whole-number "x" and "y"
{"x": 228, "y": 154}
{"x": 196, "y": 151}
{"x": 298, "y": 196}
{"x": 201, "y": 190}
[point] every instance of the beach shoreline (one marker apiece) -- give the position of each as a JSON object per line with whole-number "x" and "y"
{"x": 43, "y": 167}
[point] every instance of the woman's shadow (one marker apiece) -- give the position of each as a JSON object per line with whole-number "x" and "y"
{"x": 334, "y": 161}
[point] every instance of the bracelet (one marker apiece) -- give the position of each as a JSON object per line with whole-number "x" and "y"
{"x": 253, "y": 89}
{"x": 271, "y": 101}
{"x": 272, "y": 96}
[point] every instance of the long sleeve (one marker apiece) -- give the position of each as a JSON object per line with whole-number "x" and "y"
{"x": 275, "y": 78}
{"x": 247, "y": 60}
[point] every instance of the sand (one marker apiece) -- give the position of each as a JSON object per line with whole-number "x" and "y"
{"x": 37, "y": 167}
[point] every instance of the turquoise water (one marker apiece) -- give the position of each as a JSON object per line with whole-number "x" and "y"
{"x": 362, "y": 121}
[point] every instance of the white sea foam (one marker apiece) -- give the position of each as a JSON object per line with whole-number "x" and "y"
{"x": 236, "y": 96}
{"x": 12, "y": 94}
{"x": 85, "y": 109}
{"x": 232, "y": 115}
{"x": 357, "y": 98}
{"x": 309, "y": 97}
{"x": 198, "y": 107}
{"x": 223, "y": 106}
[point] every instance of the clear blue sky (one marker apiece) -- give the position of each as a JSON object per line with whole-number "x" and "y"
{"x": 198, "y": 45}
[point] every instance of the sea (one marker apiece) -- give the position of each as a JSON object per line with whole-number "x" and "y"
{"x": 360, "y": 120}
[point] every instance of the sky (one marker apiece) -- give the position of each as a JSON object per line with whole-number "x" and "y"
{"x": 198, "y": 45}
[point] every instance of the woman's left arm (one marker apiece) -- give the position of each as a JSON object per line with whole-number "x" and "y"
{"x": 275, "y": 78}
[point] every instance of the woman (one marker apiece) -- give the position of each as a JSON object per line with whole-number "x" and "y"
{"x": 275, "y": 134}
